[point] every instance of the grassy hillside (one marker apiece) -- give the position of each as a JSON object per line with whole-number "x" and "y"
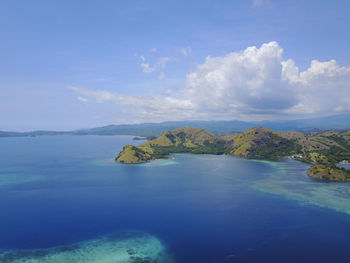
{"x": 328, "y": 173}
{"x": 258, "y": 142}
{"x": 132, "y": 154}
{"x": 325, "y": 147}
{"x": 183, "y": 140}
{"x": 193, "y": 140}
{"x": 322, "y": 149}
{"x": 262, "y": 143}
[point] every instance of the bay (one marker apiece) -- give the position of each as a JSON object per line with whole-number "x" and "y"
{"x": 62, "y": 190}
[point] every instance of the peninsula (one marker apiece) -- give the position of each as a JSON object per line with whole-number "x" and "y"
{"x": 323, "y": 150}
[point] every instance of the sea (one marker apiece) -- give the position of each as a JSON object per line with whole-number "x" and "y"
{"x": 63, "y": 190}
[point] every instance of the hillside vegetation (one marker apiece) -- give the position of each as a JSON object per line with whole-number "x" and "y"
{"x": 322, "y": 149}
{"x": 262, "y": 143}
{"x": 257, "y": 142}
{"x": 328, "y": 173}
{"x": 133, "y": 154}
{"x": 184, "y": 140}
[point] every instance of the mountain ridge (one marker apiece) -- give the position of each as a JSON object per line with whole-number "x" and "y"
{"x": 323, "y": 150}
{"x": 256, "y": 142}
{"x": 337, "y": 122}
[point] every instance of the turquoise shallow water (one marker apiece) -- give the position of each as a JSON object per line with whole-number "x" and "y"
{"x": 123, "y": 247}
{"x": 290, "y": 180}
{"x": 67, "y": 191}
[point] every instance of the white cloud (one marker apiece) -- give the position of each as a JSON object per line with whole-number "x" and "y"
{"x": 153, "y": 49}
{"x": 324, "y": 88}
{"x": 160, "y": 64}
{"x": 147, "y": 68}
{"x": 145, "y": 107}
{"x": 247, "y": 82}
{"x": 255, "y": 83}
{"x": 82, "y": 99}
{"x": 186, "y": 51}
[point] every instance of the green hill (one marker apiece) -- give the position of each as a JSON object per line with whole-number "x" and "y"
{"x": 322, "y": 149}
{"x": 328, "y": 173}
{"x": 189, "y": 140}
{"x": 258, "y": 142}
{"x": 262, "y": 143}
{"x": 132, "y": 154}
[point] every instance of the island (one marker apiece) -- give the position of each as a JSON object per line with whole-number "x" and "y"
{"x": 323, "y": 149}
{"x": 328, "y": 173}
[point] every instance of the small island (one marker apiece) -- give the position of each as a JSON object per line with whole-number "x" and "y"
{"x": 324, "y": 149}
{"x": 328, "y": 173}
{"x": 133, "y": 154}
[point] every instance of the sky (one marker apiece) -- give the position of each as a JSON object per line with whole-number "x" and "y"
{"x": 69, "y": 64}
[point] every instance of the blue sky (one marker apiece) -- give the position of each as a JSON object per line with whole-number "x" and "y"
{"x": 74, "y": 64}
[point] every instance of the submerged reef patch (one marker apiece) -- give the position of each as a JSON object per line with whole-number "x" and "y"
{"x": 126, "y": 247}
{"x": 289, "y": 180}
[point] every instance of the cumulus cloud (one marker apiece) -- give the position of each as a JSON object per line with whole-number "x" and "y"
{"x": 248, "y": 81}
{"x": 256, "y": 83}
{"x": 324, "y": 88}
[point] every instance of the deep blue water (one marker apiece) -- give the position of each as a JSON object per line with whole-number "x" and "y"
{"x": 63, "y": 189}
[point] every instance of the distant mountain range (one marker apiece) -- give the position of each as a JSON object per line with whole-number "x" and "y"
{"x": 338, "y": 122}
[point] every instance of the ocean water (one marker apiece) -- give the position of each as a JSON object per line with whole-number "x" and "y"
{"x": 67, "y": 192}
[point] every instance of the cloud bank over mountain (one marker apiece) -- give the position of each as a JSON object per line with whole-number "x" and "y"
{"x": 256, "y": 83}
